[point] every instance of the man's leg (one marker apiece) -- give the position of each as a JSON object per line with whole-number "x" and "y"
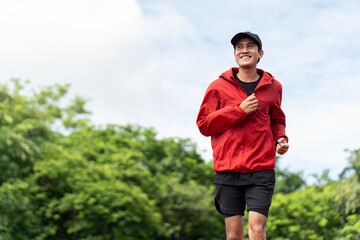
{"x": 258, "y": 198}
{"x": 257, "y": 226}
{"x": 234, "y": 227}
{"x": 230, "y": 201}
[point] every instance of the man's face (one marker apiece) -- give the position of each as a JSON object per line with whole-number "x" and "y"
{"x": 247, "y": 53}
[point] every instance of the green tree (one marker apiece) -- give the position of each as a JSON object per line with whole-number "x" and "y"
{"x": 287, "y": 181}
{"x": 309, "y": 213}
{"x": 64, "y": 178}
{"x": 25, "y": 125}
{"x": 111, "y": 182}
{"x": 49, "y": 192}
{"x": 180, "y": 182}
{"x": 347, "y": 196}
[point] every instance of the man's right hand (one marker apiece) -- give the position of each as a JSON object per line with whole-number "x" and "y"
{"x": 250, "y": 104}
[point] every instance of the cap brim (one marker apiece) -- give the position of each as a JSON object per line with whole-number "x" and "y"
{"x": 241, "y": 35}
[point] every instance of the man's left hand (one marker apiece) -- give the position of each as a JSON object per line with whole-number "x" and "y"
{"x": 282, "y": 146}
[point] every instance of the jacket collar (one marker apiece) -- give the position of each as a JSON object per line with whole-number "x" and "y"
{"x": 266, "y": 79}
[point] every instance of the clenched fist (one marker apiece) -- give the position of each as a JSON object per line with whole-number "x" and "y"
{"x": 282, "y": 146}
{"x": 250, "y": 104}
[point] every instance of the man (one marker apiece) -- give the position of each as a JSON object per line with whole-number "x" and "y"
{"x": 241, "y": 111}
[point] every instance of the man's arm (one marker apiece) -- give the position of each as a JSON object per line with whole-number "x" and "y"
{"x": 278, "y": 123}
{"x": 213, "y": 120}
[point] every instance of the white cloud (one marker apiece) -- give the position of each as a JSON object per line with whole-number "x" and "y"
{"x": 96, "y": 46}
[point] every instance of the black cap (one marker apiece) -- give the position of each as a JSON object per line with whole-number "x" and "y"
{"x": 241, "y": 35}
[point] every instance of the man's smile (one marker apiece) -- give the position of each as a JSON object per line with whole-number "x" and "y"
{"x": 245, "y": 57}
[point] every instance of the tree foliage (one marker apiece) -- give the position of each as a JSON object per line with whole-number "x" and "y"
{"x": 287, "y": 181}
{"x": 304, "y": 214}
{"x": 111, "y": 182}
{"x": 61, "y": 177}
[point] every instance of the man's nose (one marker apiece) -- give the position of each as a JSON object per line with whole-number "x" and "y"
{"x": 245, "y": 49}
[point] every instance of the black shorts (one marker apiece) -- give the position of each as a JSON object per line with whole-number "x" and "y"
{"x": 231, "y": 200}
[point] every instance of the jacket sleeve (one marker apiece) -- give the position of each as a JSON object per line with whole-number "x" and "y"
{"x": 277, "y": 119}
{"x": 213, "y": 120}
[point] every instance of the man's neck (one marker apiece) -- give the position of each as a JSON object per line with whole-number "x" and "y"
{"x": 248, "y": 75}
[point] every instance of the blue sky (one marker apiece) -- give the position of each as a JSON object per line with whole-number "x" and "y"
{"x": 149, "y": 63}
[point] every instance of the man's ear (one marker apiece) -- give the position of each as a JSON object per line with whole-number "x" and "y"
{"x": 261, "y": 53}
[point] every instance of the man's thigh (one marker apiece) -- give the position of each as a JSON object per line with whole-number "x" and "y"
{"x": 258, "y": 197}
{"x": 230, "y": 200}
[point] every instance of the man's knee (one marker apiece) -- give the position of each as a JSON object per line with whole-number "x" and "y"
{"x": 234, "y": 227}
{"x": 257, "y": 225}
{"x": 258, "y": 229}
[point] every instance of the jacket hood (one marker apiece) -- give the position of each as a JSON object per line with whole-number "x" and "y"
{"x": 228, "y": 75}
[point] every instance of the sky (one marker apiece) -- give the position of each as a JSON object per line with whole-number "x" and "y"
{"x": 149, "y": 62}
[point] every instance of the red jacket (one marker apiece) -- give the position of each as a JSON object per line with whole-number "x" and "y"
{"x": 241, "y": 142}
